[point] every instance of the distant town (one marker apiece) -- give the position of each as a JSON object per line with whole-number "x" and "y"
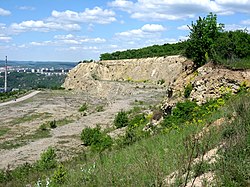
{"x": 45, "y": 71}
{"x": 27, "y": 75}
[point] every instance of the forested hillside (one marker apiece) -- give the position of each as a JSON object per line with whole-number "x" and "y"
{"x": 208, "y": 41}
{"x": 151, "y": 51}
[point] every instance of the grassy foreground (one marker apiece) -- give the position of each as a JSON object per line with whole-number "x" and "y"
{"x": 148, "y": 161}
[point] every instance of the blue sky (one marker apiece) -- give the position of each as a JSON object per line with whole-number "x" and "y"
{"x": 74, "y": 30}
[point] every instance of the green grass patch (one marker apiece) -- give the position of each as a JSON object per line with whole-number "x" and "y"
{"x": 12, "y": 95}
{"x": 25, "y": 139}
{"x": 4, "y": 130}
{"x": 239, "y": 64}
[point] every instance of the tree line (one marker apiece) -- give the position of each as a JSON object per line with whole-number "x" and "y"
{"x": 208, "y": 41}
{"x": 151, "y": 51}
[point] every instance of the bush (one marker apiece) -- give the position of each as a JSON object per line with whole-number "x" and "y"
{"x": 96, "y": 139}
{"x": 47, "y": 160}
{"x": 43, "y": 127}
{"x": 184, "y": 111}
{"x": 83, "y": 108}
{"x": 52, "y": 124}
{"x": 59, "y": 176}
{"x": 121, "y": 119}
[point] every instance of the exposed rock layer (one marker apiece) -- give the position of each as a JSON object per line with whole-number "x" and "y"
{"x": 89, "y": 76}
{"x": 208, "y": 82}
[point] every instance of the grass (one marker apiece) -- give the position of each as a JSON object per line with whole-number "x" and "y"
{"x": 64, "y": 121}
{"x": 12, "y": 95}
{"x": 29, "y": 117}
{"x": 4, "y": 130}
{"x": 233, "y": 165}
{"x": 148, "y": 161}
{"x": 25, "y": 139}
{"x": 239, "y": 64}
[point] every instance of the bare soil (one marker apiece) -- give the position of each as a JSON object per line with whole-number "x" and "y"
{"x": 24, "y": 118}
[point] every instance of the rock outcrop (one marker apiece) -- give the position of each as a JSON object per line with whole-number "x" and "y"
{"x": 88, "y": 76}
{"x": 175, "y": 72}
{"x": 207, "y": 82}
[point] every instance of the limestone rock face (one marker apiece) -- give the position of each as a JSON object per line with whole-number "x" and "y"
{"x": 208, "y": 82}
{"x": 87, "y": 76}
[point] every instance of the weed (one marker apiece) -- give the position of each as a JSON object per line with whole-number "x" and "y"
{"x": 187, "y": 90}
{"x": 47, "y": 160}
{"x": 161, "y": 81}
{"x": 43, "y": 127}
{"x": 83, "y": 108}
{"x": 121, "y": 119}
{"x": 59, "y": 175}
{"x": 4, "y": 130}
{"x": 99, "y": 108}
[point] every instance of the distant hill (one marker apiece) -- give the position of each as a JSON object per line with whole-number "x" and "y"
{"x": 151, "y": 51}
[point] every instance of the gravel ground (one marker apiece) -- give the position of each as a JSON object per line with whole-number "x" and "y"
{"x": 23, "y": 118}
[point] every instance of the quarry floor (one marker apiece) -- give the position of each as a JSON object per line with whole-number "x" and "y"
{"x": 20, "y": 122}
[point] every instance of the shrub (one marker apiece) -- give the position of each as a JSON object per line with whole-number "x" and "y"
{"x": 59, "y": 175}
{"x": 96, "y": 139}
{"x": 43, "y": 127}
{"x": 83, "y": 108}
{"x": 47, "y": 160}
{"x": 184, "y": 111}
{"x": 52, "y": 124}
{"x": 161, "y": 81}
{"x": 121, "y": 119}
{"x": 188, "y": 90}
{"x": 99, "y": 108}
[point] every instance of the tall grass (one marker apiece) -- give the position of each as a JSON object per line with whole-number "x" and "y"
{"x": 233, "y": 167}
{"x": 238, "y": 64}
{"x": 144, "y": 163}
{"x": 148, "y": 161}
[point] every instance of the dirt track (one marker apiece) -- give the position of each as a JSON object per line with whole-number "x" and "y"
{"x": 20, "y": 99}
{"x": 25, "y": 117}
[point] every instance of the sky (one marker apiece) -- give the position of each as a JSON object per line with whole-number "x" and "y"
{"x": 74, "y": 30}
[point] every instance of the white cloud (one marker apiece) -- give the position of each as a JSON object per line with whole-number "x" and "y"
{"x": 93, "y": 40}
{"x": 183, "y": 27}
{"x": 179, "y": 9}
{"x": 71, "y": 39}
{"x": 122, "y": 4}
{"x": 161, "y": 41}
{"x": 42, "y": 26}
{"x": 78, "y": 48}
{"x": 44, "y": 43}
{"x": 153, "y": 28}
{"x": 4, "y": 12}
{"x": 26, "y": 8}
{"x": 148, "y": 30}
{"x": 4, "y": 38}
{"x": 233, "y": 27}
{"x": 183, "y": 38}
{"x": 95, "y": 15}
{"x": 67, "y": 20}
{"x": 246, "y": 22}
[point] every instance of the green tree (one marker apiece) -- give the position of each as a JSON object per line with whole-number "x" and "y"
{"x": 202, "y": 38}
{"x": 233, "y": 45}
